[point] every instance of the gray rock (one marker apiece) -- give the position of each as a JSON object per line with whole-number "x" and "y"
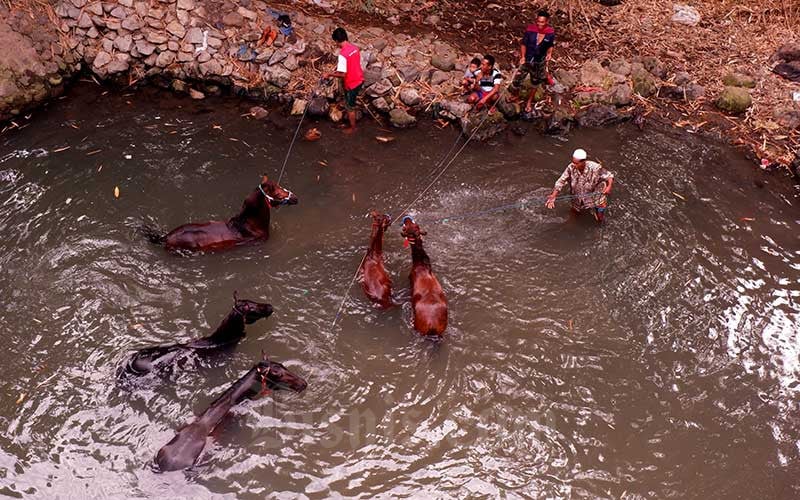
{"x": 787, "y": 117}
{"x": 694, "y": 91}
{"x": 92, "y": 33}
{"x": 203, "y": 56}
{"x": 183, "y": 17}
{"x": 259, "y": 113}
{"x": 185, "y": 56}
{"x": 382, "y": 105}
{"x": 156, "y": 13}
{"x": 445, "y": 61}
{"x": 685, "y": 14}
{"x": 598, "y": 115}
{"x": 175, "y": 28}
{"x": 116, "y": 66}
{"x": 318, "y": 106}
{"x": 510, "y": 110}
{"x": 408, "y": 72}
{"x": 399, "y": 52}
{"x": 186, "y": 4}
{"x": 371, "y": 75}
{"x": 112, "y": 24}
{"x": 144, "y": 47}
{"x": 379, "y": 44}
{"x": 490, "y": 125}
{"x": 399, "y": 118}
{"x": 380, "y": 88}
{"x": 107, "y": 43}
{"x": 410, "y": 97}
{"x": 566, "y": 78}
{"x": 194, "y": 35}
{"x": 196, "y": 94}
{"x": 119, "y": 12}
{"x": 439, "y": 77}
{"x": 123, "y": 43}
{"x": 278, "y": 56}
{"x": 141, "y": 8}
{"x": 655, "y": 67}
{"x": 173, "y": 46}
{"x": 298, "y": 107}
{"x": 102, "y": 59}
{"x": 126, "y": 3}
{"x": 290, "y": 62}
{"x": 264, "y": 55}
{"x": 432, "y": 19}
{"x": 682, "y": 78}
{"x": 132, "y": 23}
{"x": 277, "y": 76}
{"x": 211, "y": 68}
{"x": 621, "y": 95}
{"x": 84, "y": 21}
{"x": 233, "y": 19}
{"x": 95, "y": 8}
{"x": 788, "y": 52}
{"x": 165, "y": 58}
{"x": 739, "y": 80}
{"x": 247, "y": 14}
{"x": 671, "y": 92}
{"x": 620, "y": 67}
{"x": 593, "y": 74}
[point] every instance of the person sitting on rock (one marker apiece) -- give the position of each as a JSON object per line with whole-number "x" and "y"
{"x": 487, "y": 84}
{"x": 589, "y": 183}
{"x": 349, "y": 70}
{"x": 536, "y": 50}
{"x": 469, "y": 75}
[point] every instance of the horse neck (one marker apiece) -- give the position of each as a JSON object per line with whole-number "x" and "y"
{"x": 376, "y": 239}
{"x": 230, "y": 330}
{"x": 418, "y": 255}
{"x": 227, "y": 400}
{"x": 254, "y": 213}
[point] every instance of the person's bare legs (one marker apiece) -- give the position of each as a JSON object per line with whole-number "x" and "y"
{"x": 351, "y": 117}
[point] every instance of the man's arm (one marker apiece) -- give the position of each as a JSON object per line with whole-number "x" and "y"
{"x": 522, "y": 51}
{"x": 551, "y": 200}
{"x": 341, "y": 69}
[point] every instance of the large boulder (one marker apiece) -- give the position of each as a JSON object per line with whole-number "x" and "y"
{"x": 410, "y": 97}
{"x": 734, "y": 100}
{"x": 787, "y": 117}
{"x": 789, "y": 70}
{"x": 401, "y": 119}
{"x": 482, "y": 127}
{"x": 788, "y": 52}
{"x": 620, "y": 95}
{"x": 566, "y": 78}
{"x": 318, "y": 106}
{"x": 593, "y": 74}
{"x": 620, "y": 67}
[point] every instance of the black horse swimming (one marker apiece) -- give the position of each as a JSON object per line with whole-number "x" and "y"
{"x": 229, "y": 332}
{"x": 185, "y": 448}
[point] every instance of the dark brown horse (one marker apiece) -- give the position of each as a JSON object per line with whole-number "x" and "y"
{"x": 229, "y": 332}
{"x": 184, "y": 449}
{"x": 374, "y": 281}
{"x": 427, "y": 296}
{"x": 250, "y": 224}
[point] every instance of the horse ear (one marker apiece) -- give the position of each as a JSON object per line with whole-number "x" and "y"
{"x": 236, "y": 296}
{"x": 264, "y": 355}
{"x": 423, "y": 233}
{"x": 264, "y": 178}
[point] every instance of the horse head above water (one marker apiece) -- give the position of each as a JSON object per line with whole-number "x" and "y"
{"x": 230, "y": 331}
{"x": 184, "y": 449}
{"x": 250, "y": 224}
{"x": 374, "y": 280}
{"x": 427, "y": 297}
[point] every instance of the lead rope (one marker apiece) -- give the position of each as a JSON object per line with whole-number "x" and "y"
{"x": 355, "y": 275}
{"x": 297, "y": 131}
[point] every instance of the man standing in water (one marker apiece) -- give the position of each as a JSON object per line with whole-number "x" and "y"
{"x": 349, "y": 70}
{"x": 585, "y": 177}
{"x": 536, "y": 50}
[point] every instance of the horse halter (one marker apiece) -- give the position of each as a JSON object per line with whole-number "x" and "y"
{"x": 270, "y": 199}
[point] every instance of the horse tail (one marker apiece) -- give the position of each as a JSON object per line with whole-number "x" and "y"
{"x": 155, "y": 235}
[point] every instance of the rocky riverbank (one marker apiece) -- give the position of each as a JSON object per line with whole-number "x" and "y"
{"x": 202, "y": 47}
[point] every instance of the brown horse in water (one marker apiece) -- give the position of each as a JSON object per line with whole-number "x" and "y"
{"x": 185, "y": 448}
{"x": 250, "y": 224}
{"x": 427, "y": 296}
{"x": 374, "y": 281}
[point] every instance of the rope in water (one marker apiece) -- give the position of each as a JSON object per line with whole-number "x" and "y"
{"x": 520, "y": 204}
{"x": 453, "y": 158}
{"x": 291, "y": 144}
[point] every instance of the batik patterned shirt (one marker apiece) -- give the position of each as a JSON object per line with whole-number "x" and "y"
{"x": 592, "y": 179}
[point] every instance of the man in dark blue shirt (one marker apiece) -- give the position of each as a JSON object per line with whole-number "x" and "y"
{"x": 536, "y": 50}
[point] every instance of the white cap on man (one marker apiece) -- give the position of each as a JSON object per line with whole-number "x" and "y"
{"x": 579, "y": 155}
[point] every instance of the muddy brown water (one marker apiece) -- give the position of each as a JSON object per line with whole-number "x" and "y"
{"x": 656, "y": 357}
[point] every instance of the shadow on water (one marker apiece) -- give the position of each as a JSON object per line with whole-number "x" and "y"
{"x": 656, "y": 356}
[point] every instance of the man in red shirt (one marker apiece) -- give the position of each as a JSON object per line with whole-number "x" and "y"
{"x": 349, "y": 70}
